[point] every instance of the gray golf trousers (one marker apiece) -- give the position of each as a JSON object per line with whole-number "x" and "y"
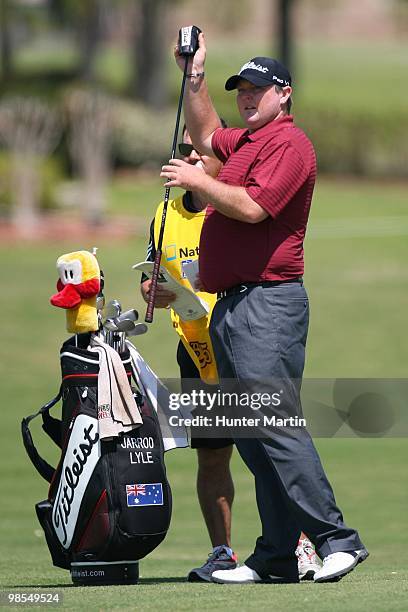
{"x": 257, "y": 335}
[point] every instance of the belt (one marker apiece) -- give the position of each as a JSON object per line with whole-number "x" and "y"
{"x": 245, "y": 286}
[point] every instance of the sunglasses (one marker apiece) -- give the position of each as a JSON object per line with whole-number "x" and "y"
{"x": 185, "y": 149}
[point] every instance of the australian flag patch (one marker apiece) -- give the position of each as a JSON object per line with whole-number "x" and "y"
{"x": 144, "y": 494}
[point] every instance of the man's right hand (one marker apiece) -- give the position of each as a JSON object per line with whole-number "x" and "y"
{"x": 195, "y": 63}
{"x": 163, "y": 298}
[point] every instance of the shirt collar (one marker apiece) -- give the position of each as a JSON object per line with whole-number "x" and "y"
{"x": 270, "y": 128}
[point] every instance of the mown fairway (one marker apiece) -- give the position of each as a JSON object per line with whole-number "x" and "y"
{"x": 356, "y": 256}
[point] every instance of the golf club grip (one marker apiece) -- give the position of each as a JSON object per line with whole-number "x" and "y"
{"x": 153, "y": 287}
{"x": 188, "y": 40}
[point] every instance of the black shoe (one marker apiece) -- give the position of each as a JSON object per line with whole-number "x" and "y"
{"x": 219, "y": 559}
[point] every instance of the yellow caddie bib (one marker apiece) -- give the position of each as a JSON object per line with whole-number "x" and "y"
{"x": 180, "y": 245}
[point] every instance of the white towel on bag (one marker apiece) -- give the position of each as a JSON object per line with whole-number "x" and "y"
{"x": 117, "y": 409}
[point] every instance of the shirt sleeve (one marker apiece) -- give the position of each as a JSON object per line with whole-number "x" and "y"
{"x": 275, "y": 178}
{"x": 224, "y": 142}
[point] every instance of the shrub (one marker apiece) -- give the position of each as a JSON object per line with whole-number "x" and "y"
{"x": 369, "y": 144}
{"x": 142, "y": 137}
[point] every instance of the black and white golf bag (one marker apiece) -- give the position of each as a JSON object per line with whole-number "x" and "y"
{"x": 109, "y": 501}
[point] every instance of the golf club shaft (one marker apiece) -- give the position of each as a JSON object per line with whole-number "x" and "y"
{"x": 157, "y": 259}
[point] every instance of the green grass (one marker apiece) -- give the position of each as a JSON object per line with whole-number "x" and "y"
{"x": 137, "y": 194}
{"x": 359, "y": 303}
{"x": 375, "y": 502}
{"x": 357, "y": 287}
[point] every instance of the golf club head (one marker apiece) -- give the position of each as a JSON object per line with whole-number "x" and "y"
{"x": 123, "y": 325}
{"x": 112, "y": 309}
{"x": 100, "y": 302}
{"x": 110, "y": 325}
{"x": 132, "y": 315}
{"x": 138, "y": 330}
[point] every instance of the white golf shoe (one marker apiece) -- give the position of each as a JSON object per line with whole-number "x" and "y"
{"x": 239, "y": 575}
{"x": 338, "y": 564}
{"x": 308, "y": 561}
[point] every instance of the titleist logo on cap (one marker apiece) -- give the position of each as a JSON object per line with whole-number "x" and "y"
{"x": 252, "y": 66}
{"x": 261, "y": 72}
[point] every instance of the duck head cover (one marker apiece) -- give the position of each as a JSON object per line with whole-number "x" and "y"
{"x": 78, "y": 285}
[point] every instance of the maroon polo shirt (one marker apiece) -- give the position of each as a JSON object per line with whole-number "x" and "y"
{"x": 277, "y": 166}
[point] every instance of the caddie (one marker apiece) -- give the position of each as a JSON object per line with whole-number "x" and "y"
{"x": 195, "y": 357}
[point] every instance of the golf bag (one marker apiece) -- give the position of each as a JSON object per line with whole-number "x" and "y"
{"x": 109, "y": 501}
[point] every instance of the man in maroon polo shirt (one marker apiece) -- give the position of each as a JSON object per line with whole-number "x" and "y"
{"x": 251, "y": 254}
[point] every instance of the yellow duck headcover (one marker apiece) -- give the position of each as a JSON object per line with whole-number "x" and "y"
{"x": 78, "y": 285}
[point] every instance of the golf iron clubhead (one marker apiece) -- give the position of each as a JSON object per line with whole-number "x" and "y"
{"x": 110, "y": 325}
{"x": 100, "y": 303}
{"x": 118, "y": 325}
{"x": 112, "y": 309}
{"x": 131, "y": 314}
{"x": 138, "y": 330}
{"x": 123, "y": 325}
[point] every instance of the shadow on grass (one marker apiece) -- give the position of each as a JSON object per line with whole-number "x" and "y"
{"x": 142, "y": 582}
{"x": 40, "y": 586}
{"x": 164, "y": 580}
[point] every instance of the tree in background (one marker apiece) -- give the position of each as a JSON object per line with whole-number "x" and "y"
{"x": 401, "y": 15}
{"x": 150, "y": 54}
{"x": 285, "y": 33}
{"x": 5, "y": 40}
{"x": 84, "y": 19}
{"x": 89, "y": 36}
{"x": 30, "y": 130}
{"x": 148, "y": 49}
{"x": 90, "y": 115}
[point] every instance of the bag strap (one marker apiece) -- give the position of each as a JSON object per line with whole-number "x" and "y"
{"x": 51, "y": 428}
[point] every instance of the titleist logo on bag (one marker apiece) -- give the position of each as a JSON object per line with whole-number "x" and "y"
{"x": 81, "y": 457}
